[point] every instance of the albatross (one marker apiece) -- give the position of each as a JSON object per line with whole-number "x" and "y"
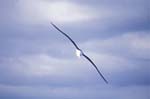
{"x": 79, "y": 52}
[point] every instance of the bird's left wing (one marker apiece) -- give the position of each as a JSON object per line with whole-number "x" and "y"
{"x": 65, "y": 35}
{"x": 95, "y": 67}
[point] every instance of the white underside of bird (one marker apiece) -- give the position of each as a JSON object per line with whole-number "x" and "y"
{"x": 78, "y": 53}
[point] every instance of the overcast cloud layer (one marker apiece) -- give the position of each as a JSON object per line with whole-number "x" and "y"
{"x": 37, "y": 62}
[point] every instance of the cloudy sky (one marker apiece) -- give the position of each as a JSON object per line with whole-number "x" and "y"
{"x": 37, "y": 62}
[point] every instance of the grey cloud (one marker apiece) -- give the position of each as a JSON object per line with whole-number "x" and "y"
{"x": 122, "y": 54}
{"x": 95, "y": 92}
{"x": 32, "y": 54}
{"x": 128, "y": 44}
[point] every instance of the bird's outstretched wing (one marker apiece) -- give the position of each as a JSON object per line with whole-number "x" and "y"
{"x": 65, "y": 35}
{"x": 95, "y": 67}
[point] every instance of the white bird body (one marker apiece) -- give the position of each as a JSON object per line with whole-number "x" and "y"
{"x": 78, "y": 53}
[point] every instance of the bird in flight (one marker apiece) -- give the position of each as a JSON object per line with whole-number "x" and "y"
{"x": 79, "y": 52}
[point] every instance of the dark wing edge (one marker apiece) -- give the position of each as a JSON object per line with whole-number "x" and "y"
{"x": 65, "y": 35}
{"x": 95, "y": 68}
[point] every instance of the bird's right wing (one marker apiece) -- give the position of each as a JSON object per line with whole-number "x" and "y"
{"x": 95, "y": 67}
{"x": 65, "y": 35}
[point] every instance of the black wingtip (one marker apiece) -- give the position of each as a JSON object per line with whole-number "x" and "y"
{"x": 104, "y": 78}
{"x": 106, "y": 81}
{"x": 52, "y": 23}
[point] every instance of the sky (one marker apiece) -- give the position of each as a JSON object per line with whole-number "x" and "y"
{"x": 37, "y": 62}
